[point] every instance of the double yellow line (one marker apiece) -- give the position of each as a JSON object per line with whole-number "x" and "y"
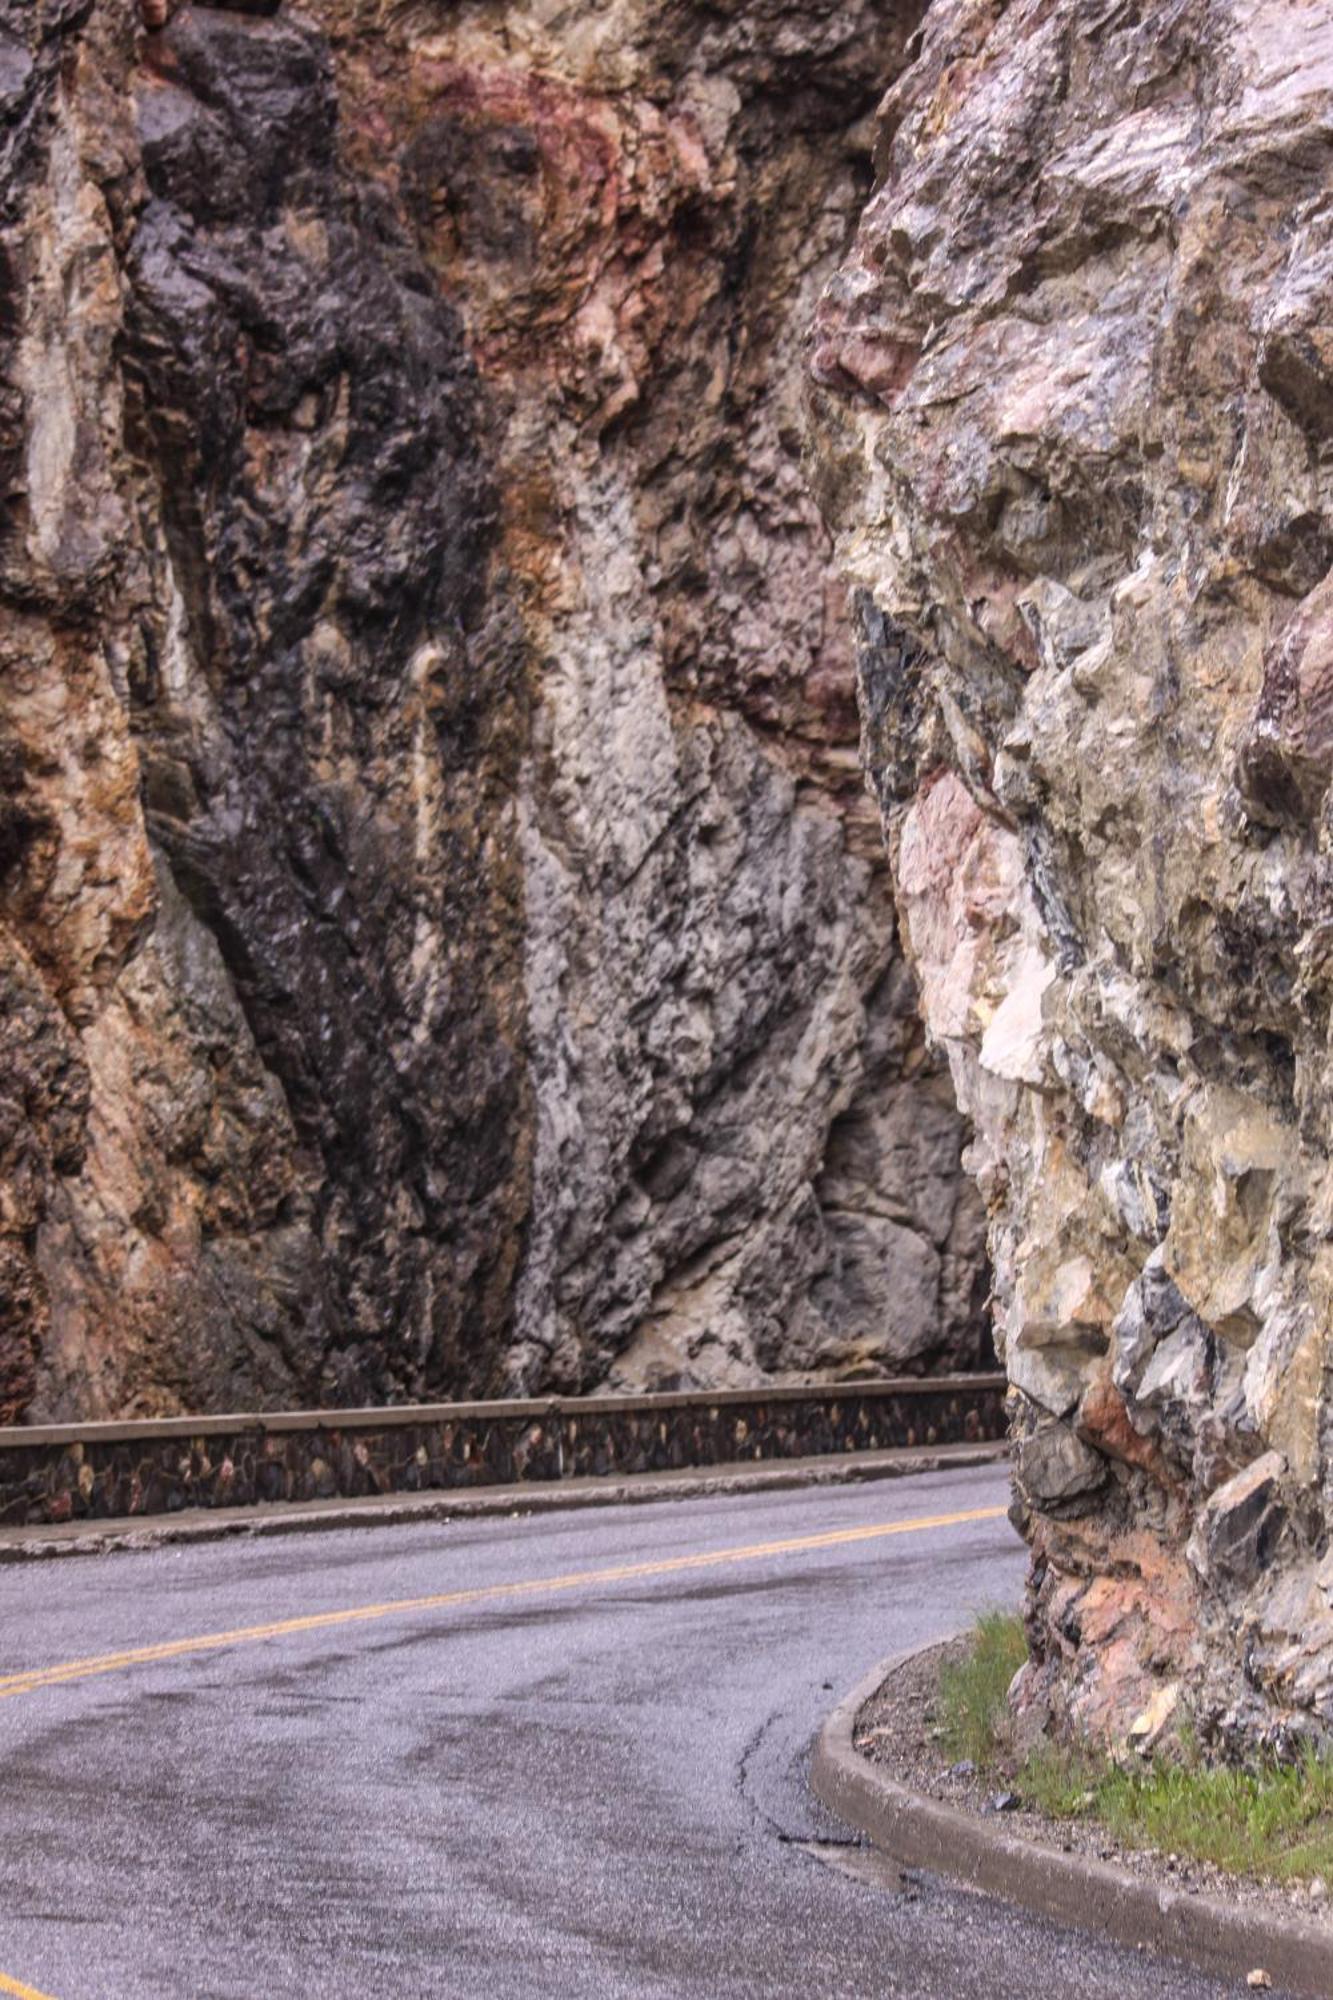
{"x": 33, "y": 1678}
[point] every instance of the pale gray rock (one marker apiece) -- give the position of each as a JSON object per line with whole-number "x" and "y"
{"x": 1055, "y": 1466}
{"x": 1071, "y": 422}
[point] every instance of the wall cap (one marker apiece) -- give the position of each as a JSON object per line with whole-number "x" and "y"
{"x": 402, "y": 1416}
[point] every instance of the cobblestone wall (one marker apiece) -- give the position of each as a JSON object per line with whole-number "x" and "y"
{"x": 99, "y": 1471}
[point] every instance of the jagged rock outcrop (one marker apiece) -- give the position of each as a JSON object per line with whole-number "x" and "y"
{"x": 261, "y": 717}
{"x": 1075, "y": 400}
{"x": 445, "y": 943}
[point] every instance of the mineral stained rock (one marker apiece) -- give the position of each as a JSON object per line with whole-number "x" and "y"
{"x": 1074, "y": 405}
{"x": 444, "y": 944}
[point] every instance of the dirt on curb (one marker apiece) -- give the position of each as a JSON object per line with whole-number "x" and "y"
{"x": 898, "y": 1732}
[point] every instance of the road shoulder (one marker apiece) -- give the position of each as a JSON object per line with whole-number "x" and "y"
{"x": 1097, "y": 1896}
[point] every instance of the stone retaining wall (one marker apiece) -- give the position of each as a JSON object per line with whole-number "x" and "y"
{"x": 99, "y": 1471}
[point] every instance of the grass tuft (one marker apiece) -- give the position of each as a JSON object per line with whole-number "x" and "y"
{"x": 972, "y": 1706}
{"x": 1272, "y": 1820}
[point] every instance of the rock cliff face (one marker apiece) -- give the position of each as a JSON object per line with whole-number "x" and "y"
{"x": 443, "y": 942}
{"x": 1075, "y": 407}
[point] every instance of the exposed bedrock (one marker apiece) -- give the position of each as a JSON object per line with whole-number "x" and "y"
{"x": 742, "y": 1163}
{"x": 446, "y": 946}
{"x": 1074, "y": 402}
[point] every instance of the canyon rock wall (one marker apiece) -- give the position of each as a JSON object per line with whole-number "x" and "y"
{"x": 1074, "y": 403}
{"x": 445, "y": 944}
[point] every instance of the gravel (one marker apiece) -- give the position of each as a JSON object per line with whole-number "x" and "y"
{"x": 898, "y": 1731}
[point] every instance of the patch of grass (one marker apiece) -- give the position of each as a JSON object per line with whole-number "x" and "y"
{"x": 972, "y": 1708}
{"x": 1273, "y": 1820}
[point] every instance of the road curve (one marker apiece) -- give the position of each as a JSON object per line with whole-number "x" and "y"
{"x": 558, "y": 1756}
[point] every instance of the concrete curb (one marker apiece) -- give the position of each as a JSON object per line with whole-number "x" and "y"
{"x": 295, "y": 1517}
{"x": 919, "y": 1832}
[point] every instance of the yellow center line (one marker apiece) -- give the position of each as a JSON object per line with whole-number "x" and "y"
{"x": 32, "y": 1678}
{"x": 21, "y": 1992}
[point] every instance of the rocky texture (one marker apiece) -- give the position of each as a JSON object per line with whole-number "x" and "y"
{"x": 262, "y": 722}
{"x": 741, "y": 1163}
{"x": 1076, "y": 398}
{"x": 445, "y": 946}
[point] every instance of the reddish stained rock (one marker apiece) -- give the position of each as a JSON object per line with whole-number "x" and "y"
{"x": 1104, "y": 1421}
{"x": 1089, "y": 532}
{"x": 444, "y": 943}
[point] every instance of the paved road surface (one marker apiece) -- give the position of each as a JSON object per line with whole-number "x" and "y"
{"x": 589, "y": 1785}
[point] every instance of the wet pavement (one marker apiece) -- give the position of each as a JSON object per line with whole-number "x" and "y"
{"x": 596, "y": 1787}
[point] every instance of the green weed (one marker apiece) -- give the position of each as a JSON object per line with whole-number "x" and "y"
{"x": 972, "y": 1708}
{"x": 1273, "y": 1820}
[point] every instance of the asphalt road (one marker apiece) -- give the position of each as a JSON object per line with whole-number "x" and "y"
{"x": 580, "y": 1771}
